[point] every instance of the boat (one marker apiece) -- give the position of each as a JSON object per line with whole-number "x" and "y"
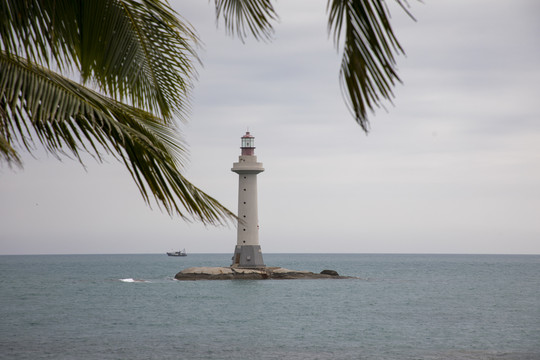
{"x": 177, "y": 253}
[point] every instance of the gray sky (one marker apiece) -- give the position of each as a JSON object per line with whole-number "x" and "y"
{"x": 453, "y": 166}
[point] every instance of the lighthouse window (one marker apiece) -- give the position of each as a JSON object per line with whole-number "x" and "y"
{"x": 245, "y": 177}
{"x": 244, "y": 202}
{"x": 244, "y": 189}
{"x": 244, "y": 229}
{"x": 244, "y": 215}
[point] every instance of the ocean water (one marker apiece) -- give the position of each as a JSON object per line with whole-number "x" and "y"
{"x": 402, "y": 307}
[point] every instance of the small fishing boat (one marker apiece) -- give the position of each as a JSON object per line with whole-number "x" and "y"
{"x": 177, "y": 253}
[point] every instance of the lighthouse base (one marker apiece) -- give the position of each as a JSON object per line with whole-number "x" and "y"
{"x": 248, "y": 256}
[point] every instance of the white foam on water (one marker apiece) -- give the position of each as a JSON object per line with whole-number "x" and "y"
{"x": 132, "y": 280}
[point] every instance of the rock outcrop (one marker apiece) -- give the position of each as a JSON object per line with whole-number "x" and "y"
{"x": 234, "y": 273}
{"x": 330, "y": 272}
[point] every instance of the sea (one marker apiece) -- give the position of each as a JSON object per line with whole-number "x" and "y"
{"x": 398, "y": 307}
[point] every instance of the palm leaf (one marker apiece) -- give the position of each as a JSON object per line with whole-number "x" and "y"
{"x": 368, "y": 68}
{"x": 134, "y": 50}
{"x": 67, "y": 118}
{"x": 137, "y": 53}
{"x": 7, "y": 153}
{"x": 243, "y": 17}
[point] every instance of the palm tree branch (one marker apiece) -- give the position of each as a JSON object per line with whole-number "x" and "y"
{"x": 135, "y": 49}
{"x": 368, "y": 68}
{"x": 68, "y": 117}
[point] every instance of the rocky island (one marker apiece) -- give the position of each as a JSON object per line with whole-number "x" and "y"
{"x": 263, "y": 273}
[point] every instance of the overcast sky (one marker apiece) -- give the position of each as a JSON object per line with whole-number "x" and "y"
{"x": 453, "y": 166}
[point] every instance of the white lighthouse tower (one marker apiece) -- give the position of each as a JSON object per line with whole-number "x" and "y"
{"x": 248, "y": 251}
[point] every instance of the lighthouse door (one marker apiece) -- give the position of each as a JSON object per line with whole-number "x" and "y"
{"x": 237, "y": 258}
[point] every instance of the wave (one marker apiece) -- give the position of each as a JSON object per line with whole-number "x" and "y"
{"x": 131, "y": 280}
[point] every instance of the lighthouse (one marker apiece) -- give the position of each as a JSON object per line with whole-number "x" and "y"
{"x": 247, "y": 253}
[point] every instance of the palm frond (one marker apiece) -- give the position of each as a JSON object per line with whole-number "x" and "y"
{"x": 243, "y": 17}
{"x": 134, "y": 50}
{"x": 145, "y": 39}
{"x": 7, "y": 153}
{"x": 368, "y": 68}
{"x": 68, "y": 118}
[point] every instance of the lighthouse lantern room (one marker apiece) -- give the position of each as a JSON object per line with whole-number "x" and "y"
{"x": 247, "y": 253}
{"x": 248, "y": 144}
